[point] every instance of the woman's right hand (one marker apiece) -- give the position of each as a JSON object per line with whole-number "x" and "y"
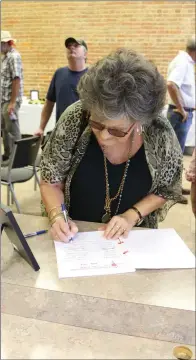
{"x": 61, "y": 231}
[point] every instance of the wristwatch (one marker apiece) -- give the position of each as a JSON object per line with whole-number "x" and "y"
{"x": 141, "y": 218}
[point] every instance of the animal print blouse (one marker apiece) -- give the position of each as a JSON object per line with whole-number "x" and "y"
{"x": 69, "y": 140}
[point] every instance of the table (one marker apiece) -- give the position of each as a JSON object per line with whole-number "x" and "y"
{"x": 140, "y": 315}
{"x": 30, "y": 116}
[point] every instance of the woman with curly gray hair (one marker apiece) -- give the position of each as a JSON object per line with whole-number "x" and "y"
{"x": 112, "y": 157}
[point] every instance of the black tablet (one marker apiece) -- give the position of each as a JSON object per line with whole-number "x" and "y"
{"x": 9, "y": 224}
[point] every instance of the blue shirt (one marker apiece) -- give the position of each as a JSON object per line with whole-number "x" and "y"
{"x": 62, "y": 89}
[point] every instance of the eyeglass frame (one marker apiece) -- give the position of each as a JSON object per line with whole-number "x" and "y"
{"x": 102, "y": 127}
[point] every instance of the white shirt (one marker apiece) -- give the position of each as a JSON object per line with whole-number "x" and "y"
{"x": 181, "y": 71}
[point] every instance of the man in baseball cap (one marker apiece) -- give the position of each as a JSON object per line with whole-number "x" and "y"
{"x": 72, "y": 40}
{"x": 11, "y": 93}
{"x": 63, "y": 87}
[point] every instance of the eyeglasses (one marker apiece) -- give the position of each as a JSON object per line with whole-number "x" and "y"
{"x": 111, "y": 131}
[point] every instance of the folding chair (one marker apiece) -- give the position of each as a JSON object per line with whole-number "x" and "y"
{"x": 22, "y": 165}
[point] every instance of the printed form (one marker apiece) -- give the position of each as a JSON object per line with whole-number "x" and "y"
{"x": 91, "y": 254}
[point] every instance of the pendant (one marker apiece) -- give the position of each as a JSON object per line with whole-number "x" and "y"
{"x": 105, "y": 218}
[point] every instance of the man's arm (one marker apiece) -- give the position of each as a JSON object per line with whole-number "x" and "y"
{"x": 45, "y": 116}
{"x": 15, "y": 66}
{"x": 174, "y": 82}
{"x": 177, "y": 98}
{"x": 15, "y": 89}
{"x": 48, "y": 106}
{"x": 15, "y": 92}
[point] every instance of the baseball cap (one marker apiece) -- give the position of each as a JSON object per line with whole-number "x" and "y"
{"x": 77, "y": 41}
{"x": 6, "y": 36}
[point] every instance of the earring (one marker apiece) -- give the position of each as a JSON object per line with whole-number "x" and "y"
{"x": 139, "y": 129}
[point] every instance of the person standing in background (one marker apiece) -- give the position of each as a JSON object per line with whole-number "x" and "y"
{"x": 11, "y": 93}
{"x": 181, "y": 89}
{"x": 62, "y": 89}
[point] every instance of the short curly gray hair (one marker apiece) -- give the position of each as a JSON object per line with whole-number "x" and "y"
{"x": 123, "y": 84}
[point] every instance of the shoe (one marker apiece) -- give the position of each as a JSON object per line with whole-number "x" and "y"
{"x": 183, "y": 200}
{"x": 4, "y": 157}
{"x": 186, "y": 191}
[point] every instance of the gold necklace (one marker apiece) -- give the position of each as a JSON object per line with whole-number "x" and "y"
{"x": 107, "y": 216}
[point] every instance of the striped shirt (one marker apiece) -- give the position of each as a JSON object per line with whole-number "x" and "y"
{"x": 11, "y": 68}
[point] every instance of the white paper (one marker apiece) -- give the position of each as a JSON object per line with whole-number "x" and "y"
{"x": 90, "y": 254}
{"x": 34, "y": 95}
{"x": 159, "y": 249}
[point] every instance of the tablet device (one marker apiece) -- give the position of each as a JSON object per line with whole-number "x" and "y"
{"x": 9, "y": 224}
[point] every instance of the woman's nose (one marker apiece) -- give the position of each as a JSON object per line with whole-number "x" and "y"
{"x": 104, "y": 134}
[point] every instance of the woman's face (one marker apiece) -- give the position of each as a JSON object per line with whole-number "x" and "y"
{"x": 109, "y": 129}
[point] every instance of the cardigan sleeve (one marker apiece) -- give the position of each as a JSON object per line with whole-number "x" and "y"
{"x": 58, "y": 151}
{"x": 169, "y": 184}
{"x": 165, "y": 160}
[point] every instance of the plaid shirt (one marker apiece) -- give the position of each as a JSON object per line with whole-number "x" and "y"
{"x": 11, "y": 68}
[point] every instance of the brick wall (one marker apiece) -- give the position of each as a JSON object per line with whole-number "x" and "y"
{"x": 156, "y": 28}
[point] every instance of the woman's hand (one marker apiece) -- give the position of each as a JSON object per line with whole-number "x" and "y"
{"x": 120, "y": 225}
{"x": 61, "y": 231}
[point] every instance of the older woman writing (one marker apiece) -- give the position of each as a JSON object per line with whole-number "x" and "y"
{"x": 112, "y": 157}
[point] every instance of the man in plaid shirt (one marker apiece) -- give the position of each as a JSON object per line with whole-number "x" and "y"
{"x": 11, "y": 93}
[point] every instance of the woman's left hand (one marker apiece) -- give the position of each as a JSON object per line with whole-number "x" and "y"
{"x": 120, "y": 225}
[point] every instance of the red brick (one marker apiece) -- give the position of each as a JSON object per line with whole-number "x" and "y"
{"x": 157, "y": 28}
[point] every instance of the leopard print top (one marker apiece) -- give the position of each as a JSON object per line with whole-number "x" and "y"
{"x": 69, "y": 140}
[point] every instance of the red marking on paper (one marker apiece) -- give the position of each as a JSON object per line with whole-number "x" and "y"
{"x": 120, "y": 241}
{"x": 113, "y": 264}
{"x": 125, "y": 252}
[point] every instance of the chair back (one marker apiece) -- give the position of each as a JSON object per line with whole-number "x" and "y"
{"x": 25, "y": 152}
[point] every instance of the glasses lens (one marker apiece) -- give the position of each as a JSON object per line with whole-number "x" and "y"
{"x": 113, "y": 132}
{"x": 116, "y": 132}
{"x": 96, "y": 125}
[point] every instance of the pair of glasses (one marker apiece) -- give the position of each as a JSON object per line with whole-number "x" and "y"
{"x": 111, "y": 131}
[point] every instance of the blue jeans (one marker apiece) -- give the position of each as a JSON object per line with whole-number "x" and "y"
{"x": 181, "y": 128}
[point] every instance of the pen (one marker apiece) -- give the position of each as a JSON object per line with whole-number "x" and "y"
{"x": 65, "y": 216}
{"x": 35, "y": 233}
